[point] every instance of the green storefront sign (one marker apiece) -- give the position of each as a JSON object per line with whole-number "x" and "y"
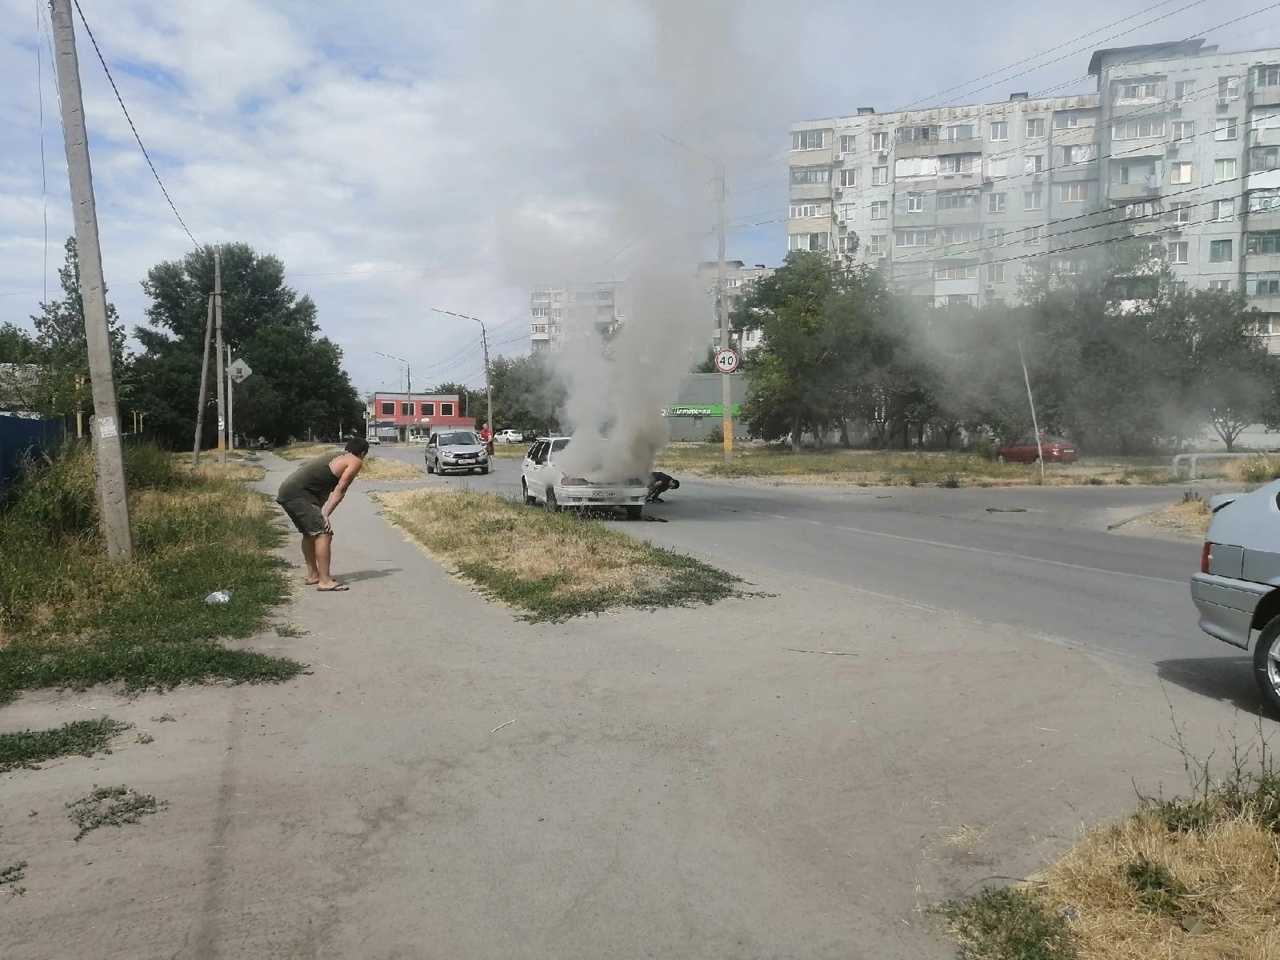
{"x": 700, "y": 410}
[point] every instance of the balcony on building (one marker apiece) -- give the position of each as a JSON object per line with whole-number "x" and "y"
{"x": 811, "y": 191}
{"x": 1264, "y": 86}
{"x": 1268, "y": 303}
{"x": 1143, "y": 187}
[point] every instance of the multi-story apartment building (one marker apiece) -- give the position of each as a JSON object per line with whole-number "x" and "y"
{"x": 1180, "y": 141}
{"x": 738, "y": 278}
{"x": 584, "y": 306}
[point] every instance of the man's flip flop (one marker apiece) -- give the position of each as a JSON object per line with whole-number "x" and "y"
{"x": 333, "y": 589}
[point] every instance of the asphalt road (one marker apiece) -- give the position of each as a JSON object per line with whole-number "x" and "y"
{"x": 1037, "y": 559}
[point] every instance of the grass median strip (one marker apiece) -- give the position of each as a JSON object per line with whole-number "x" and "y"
{"x": 70, "y": 617}
{"x": 550, "y": 566}
{"x": 83, "y": 737}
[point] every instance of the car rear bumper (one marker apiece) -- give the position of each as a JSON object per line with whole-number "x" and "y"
{"x": 1226, "y": 606}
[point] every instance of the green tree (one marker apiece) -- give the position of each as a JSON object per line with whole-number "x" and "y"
{"x": 298, "y": 384}
{"x": 527, "y": 394}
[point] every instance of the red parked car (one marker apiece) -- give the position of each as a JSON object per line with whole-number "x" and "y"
{"x": 1056, "y": 450}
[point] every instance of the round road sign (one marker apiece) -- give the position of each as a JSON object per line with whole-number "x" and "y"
{"x": 727, "y": 360}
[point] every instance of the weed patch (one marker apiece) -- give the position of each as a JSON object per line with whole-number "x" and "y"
{"x": 70, "y": 617}
{"x": 1009, "y": 924}
{"x": 111, "y": 807}
{"x": 83, "y": 737}
{"x": 12, "y": 875}
{"x": 550, "y": 566}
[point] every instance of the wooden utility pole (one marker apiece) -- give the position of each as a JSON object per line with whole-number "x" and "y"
{"x": 722, "y": 309}
{"x": 488, "y": 389}
{"x": 113, "y": 494}
{"x": 231, "y": 405}
{"x": 204, "y": 385}
{"x": 222, "y": 375}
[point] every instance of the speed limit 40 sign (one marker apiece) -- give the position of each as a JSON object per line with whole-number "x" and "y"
{"x": 727, "y": 360}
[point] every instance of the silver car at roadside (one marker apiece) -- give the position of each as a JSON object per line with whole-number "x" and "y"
{"x": 1237, "y": 590}
{"x": 455, "y": 451}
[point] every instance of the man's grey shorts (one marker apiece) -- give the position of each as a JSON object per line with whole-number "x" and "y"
{"x": 305, "y": 514}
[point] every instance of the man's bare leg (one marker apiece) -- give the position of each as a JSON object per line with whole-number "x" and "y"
{"x": 323, "y": 548}
{"x": 309, "y": 558}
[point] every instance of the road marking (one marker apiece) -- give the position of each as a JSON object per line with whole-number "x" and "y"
{"x": 967, "y": 549}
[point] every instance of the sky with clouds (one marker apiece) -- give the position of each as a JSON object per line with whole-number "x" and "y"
{"x": 400, "y": 156}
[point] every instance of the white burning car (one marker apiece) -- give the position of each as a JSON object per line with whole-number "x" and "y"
{"x": 542, "y": 480}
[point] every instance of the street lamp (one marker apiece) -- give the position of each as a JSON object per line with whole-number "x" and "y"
{"x": 408, "y": 374}
{"x": 484, "y": 338}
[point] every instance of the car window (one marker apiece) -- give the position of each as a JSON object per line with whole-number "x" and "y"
{"x": 457, "y": 439}
{"x": 539, "y": 452}
{"x": 558, "y": 445}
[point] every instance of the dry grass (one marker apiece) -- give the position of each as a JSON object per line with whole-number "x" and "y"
{"x": 1186, "y": 520}
{"x": 234, "y": 469}
{"x": 375, "y": 467}
{"x": 903, "y": 468}
{"x": 552, "y": 566}
{"x": 1230, "y": 873}
{"x": 1255, "y": 470}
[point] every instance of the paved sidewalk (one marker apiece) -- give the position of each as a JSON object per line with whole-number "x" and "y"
{"x": 791, "y": 776}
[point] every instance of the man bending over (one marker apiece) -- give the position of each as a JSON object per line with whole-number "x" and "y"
{"x": 310, "y": 495}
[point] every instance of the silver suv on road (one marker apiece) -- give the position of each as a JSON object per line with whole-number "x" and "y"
{"x": 1237, "y": 590}
{"x": 455, "y": 451}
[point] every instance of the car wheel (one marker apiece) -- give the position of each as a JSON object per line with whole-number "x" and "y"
{"x": 635, "y": 513}
{"x": 528, "y": 499}
{"x": 551, "y": 504}
{"x": 484, "y": 471}
{"x": 430, "y": 468}
{"x": 1266, "y": 663}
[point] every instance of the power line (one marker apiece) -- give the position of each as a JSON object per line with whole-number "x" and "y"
{"x": 141, "y": 146}
{"x": 1018, "y": 63}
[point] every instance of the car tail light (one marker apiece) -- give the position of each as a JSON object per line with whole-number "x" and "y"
{"x": 1206, "y": 557}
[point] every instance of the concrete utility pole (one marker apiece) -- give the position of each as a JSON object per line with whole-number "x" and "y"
{"x": 113, "y": 494}
{"x": 204, "y": 385}
{"x": 222, "y": 375}
{"x": 722, "y": 309}
{"x": 484, "y": 339}
{"x": 1026, "y": 378}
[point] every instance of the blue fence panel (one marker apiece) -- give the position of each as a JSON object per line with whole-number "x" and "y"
{"x": 21, "y": 437}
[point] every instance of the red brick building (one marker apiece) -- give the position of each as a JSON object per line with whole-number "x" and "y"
{"x": 400, "y": 415}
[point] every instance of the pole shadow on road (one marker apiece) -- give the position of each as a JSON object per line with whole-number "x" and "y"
{"x": 357, "y": 575}
{"x": 1226, "y": 679}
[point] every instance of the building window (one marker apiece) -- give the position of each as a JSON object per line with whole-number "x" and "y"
{"x": 1077, "y": 153}
{"x": 388, "y": 409}
{"x": 1141, "y": 209}
{"x": 406, "y": 409}
{"x": 847, "y": 142}
{"x": 428, "y": 408}
{"x": 808, "y": 139}
{"x": 1228, "y": 88}
{"x": 1073, "y": 192}
{"x": 916, "y": 134}
{"x": 1222, "y": 286}
{"x": 1181, "y": 211}
{"x": 1266, "y": 76}
{"x": 1138, "y": 129}
{"x": 849, "y": 177}
{"x": 879, "y": 209}
{"x": 999, "y": 129}
{"x": 810, "y": 175}
{"x": 954, "y": 235}
{"x": 879, "y": 176}
{"x": 848, "y": 211}
{"x": 1225, "y": 210}
{"x": 1262, "y": 284}
{"x": 1032, "y": 200}
{"x": 1137, "y": 90}
{"x": 1264, "y": 158}
{"x": 959, "y": 163}
{"x": 876, "y": 245}
{"x": 961, "y": 131}
{"x": 1224, "y": 170}
{"x": 960, "y": 271}
{"x": 1184, "y": 129}
{"x": 1180, "y": 172}
{"x": 914, "y": 238}
{"x": 1033, "y": 163}
{"x": 1263, "y": 243}
{"x": 1066, "y": 121}
{"x": 849, "y": 243}
{"x": 1227, "y": 131}
{"x": 996, "y": 202}
{"x": 1219, "y": 251}
{"x": 1035, "y": 127}
{"x": 995, "y": 272}
{"x": 1034, "y": 235}
{"x": 961, "y": 300}
{"x": 915, "y": 203}
{"x": 996, "y": 234}
{"x": 446, "y": 409}
{"x": 880, "y": 140}
{"x": 799, "y": 210}
{"x": 809, "y": 241}
{"x": 1261, "y": 201}
{"x": 1179, "y": 251}
{"x": 957, "y": 200}
{"x": 1183, "y": 89}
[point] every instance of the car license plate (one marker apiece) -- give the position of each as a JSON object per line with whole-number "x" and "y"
{"x": 598, "y": 495}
